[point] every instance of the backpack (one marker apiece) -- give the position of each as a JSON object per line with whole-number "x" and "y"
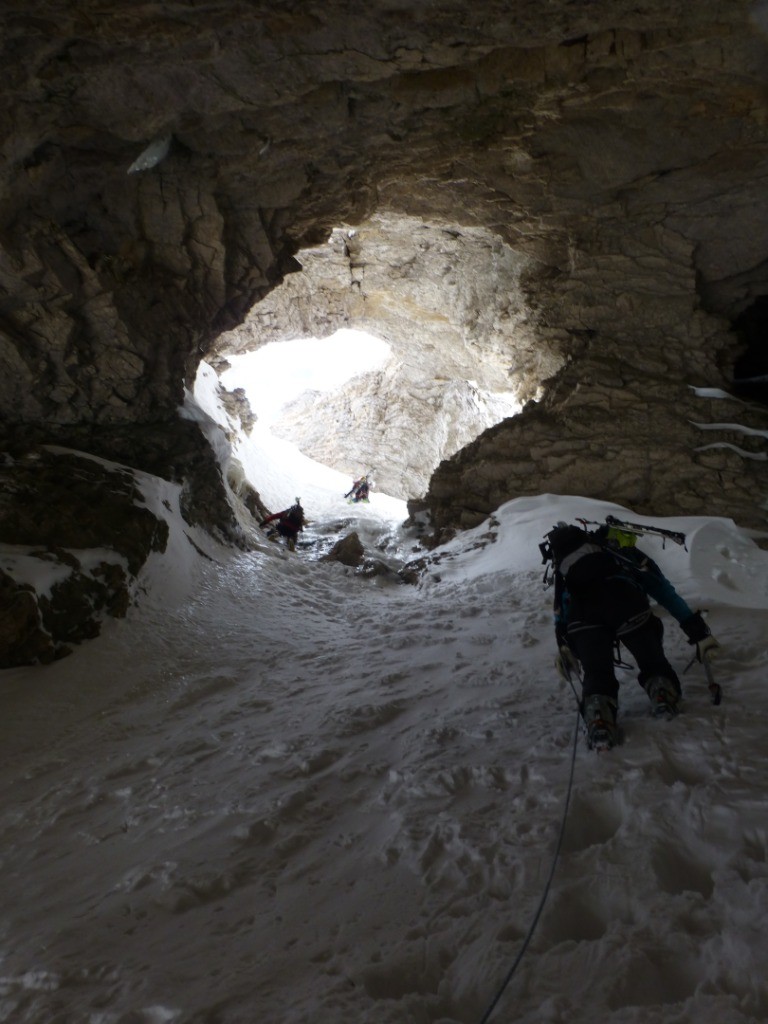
{"x": 580, "y": 558}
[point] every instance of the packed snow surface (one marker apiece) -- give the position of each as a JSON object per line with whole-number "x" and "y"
{"x": 280, "y": 792}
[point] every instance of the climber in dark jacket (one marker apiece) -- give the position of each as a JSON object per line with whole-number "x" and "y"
{"x": 359, "y": 490}
{"x": 602, "y": 588}
{"x": 289, "y": 523}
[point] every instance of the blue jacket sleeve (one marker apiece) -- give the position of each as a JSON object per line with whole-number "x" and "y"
{"x": 657, "y": 586}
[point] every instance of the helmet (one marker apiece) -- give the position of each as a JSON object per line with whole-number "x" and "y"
{"x": 295, "y": 514}
{"x": 622, "y": 538}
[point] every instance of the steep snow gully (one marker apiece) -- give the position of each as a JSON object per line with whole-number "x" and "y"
{"x": 279, "y": 792}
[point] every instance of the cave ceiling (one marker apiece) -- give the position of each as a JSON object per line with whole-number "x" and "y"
{"x": 164, "y": 165}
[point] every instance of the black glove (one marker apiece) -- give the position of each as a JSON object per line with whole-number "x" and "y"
{"x": 699, "y": 633}
{"x": 695, "y": 628}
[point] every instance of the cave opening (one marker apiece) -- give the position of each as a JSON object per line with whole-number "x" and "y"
{"x": 308, "y": 400}
{"x": 276, "y": 376}
{"x": 448, "y": 306}
{"x": 750, "y": 369}
{"x": 347, "y": 402}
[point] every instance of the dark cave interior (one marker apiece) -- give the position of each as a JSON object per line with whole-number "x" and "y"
{"x": 750, "y": 369}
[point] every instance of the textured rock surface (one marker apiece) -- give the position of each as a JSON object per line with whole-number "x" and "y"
{"x": 615, "y": 153}
{"x": 85, "y": 528}
{"x": 398, "y": 427}
{"x": 23, "y": 641}
{"x": 349, "y": 551}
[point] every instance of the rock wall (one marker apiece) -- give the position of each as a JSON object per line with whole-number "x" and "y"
{"x": 640, "y": 416}
{"x": 397, "y": 427}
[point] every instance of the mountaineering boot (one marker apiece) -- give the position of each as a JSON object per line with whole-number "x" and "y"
{"x": 600, "y": 720}
{"x": 663, "y": 696}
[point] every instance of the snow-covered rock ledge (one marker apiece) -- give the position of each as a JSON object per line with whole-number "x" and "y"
{"x": 76, "y": 531}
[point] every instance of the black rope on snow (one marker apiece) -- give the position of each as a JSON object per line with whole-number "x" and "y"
{"x": 487, "y": 1015}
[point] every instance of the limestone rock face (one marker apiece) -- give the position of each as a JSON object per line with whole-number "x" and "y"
{"x": 581, "y": 184}
{"x": 660, "y": 462}
{"x": 398, "y": 428}
{"x": 451, "y": 302}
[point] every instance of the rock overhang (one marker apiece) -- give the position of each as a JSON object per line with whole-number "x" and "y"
{"x": 617, "y": 147}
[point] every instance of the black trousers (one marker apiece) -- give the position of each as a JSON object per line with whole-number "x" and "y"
{"x": 616, "y": 610}
{"x": 287, "y": 530}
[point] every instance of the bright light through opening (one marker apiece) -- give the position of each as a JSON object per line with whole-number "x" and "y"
{"x": 281, "y": 371}
{"x": 399, "y": 435}
{"x": 275, "y": 375}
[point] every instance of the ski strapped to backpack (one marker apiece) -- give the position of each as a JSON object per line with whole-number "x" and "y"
{"x": 639, "y": 528}
{"x": 620, "y": 526}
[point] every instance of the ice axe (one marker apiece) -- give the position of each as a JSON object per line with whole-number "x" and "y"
{"x": 715, "y": 688}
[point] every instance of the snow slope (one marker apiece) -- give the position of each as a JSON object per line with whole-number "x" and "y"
{"x": 278, "y": 792}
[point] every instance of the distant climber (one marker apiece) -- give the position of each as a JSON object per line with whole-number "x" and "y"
{"x": 602, "y": 586}
{"x": 360, "y": 489}
{"x": 288, "y": 524}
